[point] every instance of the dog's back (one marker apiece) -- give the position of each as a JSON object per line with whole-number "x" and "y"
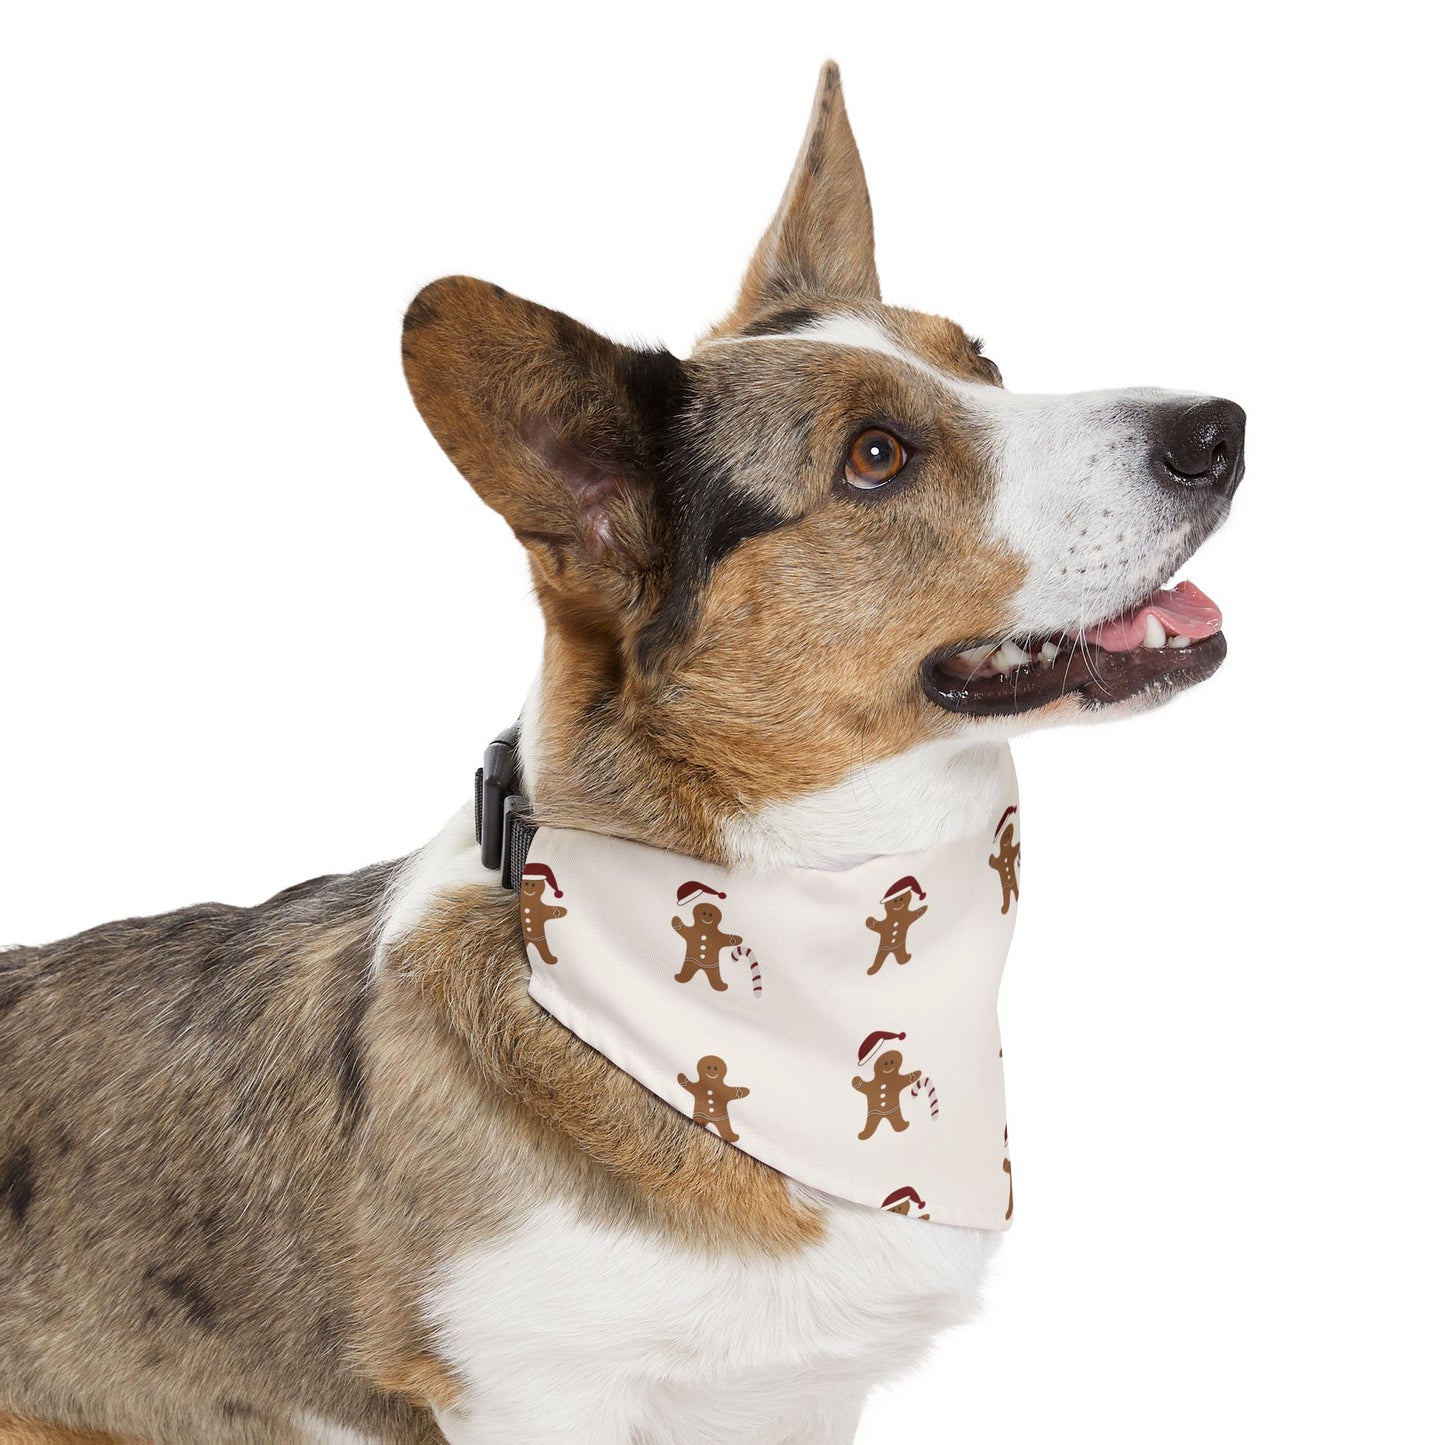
{"x": 182, "y": 1098}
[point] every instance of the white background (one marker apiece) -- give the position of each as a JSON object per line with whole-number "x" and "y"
{"x": 254, "y": 628}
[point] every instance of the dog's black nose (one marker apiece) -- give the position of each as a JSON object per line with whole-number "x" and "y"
{"x": 1200, "y": 443}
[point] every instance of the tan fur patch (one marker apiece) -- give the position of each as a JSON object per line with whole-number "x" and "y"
{"x": 939, "y": 342}
{"x": 14, "y": 1431}
{"x": 422, "y": 1379}
{"x": 581, "y": 1111}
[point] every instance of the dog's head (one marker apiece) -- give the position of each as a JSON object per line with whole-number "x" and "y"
{"x": 828, "y": 536}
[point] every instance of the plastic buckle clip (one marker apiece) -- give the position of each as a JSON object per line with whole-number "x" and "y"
{"x": 504, "y": 832}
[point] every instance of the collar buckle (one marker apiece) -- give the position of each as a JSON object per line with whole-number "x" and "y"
{"x": 503, "y": 824}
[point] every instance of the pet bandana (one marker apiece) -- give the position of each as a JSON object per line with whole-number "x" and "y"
{"x": 841, "y": 1027}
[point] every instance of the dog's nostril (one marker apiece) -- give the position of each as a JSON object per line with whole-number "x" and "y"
{"x": 1200, "y": 444}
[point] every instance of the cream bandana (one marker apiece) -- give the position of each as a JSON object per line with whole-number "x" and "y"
{"x": 841, "y": 1027}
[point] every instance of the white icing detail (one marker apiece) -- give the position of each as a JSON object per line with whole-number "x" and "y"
{"x": 570, "y": 1330}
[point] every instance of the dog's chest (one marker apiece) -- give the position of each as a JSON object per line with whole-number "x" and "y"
{"x": 623, "y": 1335}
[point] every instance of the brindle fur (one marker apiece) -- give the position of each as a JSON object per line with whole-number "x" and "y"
{"x": 232, "y": 1149}
{"x": 186, "y": 1130}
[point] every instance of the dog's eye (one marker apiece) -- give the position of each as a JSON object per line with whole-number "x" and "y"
{"x": 875, "y": 457}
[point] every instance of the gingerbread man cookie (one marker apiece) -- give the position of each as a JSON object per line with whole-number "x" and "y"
{"x": 884, "y": 1091}
{"x": 704, "y": 936}
{"x": 898, "y": 918}
{"x": 536, "y": 878}
{"x": 902, "y": 1201}
{"x": 711, "y": 1095}
{"x": 1006, "y": 861}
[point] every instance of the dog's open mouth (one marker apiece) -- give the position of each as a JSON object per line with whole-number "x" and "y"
{"x": 1171, "y": 640}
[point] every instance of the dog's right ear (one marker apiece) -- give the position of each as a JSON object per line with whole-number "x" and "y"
{"x": 558, "y": 428}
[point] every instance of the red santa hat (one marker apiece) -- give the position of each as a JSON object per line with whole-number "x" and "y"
{"x": 873, "y": 1043}
{"x": 691, "y": 892}
{"x": 541, "y": 870}
{"x": 900, "y": 1195}
{"x": 904, "y": 885}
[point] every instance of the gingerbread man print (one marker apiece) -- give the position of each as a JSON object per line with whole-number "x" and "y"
{"x": 884, "y": 1091}
{"x": 704, "y": 936}
{"x": 711, "y": 1095}
{"x": 1006, "y": 861}
{"x": 898, "y": 918}
{"x": 536, "y": 914}
{"x": 903, "y": 1201}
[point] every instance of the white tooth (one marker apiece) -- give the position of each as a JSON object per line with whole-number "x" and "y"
{"x": 1154, "y": 634}
{"x": 1013, "y": 655}
{"x": 996, "y": 662}
{"x": 975, "y": 655}
{"x": 1048, "y": 652}
{"x": 1180, "y": 641}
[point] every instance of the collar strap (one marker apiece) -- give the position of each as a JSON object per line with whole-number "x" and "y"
{"x": 504, "y": 825}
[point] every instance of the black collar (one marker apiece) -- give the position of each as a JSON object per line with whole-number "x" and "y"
{"x": 505, "y": 828}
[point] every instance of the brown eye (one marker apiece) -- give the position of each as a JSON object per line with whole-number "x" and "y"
{"x": 875, "y": 457}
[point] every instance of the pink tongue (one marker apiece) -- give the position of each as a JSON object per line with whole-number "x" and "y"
{"x": 1183, "y": 611}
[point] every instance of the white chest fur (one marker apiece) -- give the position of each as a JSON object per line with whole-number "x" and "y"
{"x": 570, "y": 1332}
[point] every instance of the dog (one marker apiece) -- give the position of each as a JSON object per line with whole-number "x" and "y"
{"x": 322, "y": 1170}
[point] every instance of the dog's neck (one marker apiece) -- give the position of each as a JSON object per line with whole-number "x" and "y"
{"x": 930, "y": 793}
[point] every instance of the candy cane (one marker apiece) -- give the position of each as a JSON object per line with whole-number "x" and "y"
{"x": 926, "y": 1083}
{"x": 754, "y": 967}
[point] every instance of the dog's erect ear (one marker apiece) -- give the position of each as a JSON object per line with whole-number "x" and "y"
{"x": 558, "y": 428}
{"x": 820, "y": 243}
